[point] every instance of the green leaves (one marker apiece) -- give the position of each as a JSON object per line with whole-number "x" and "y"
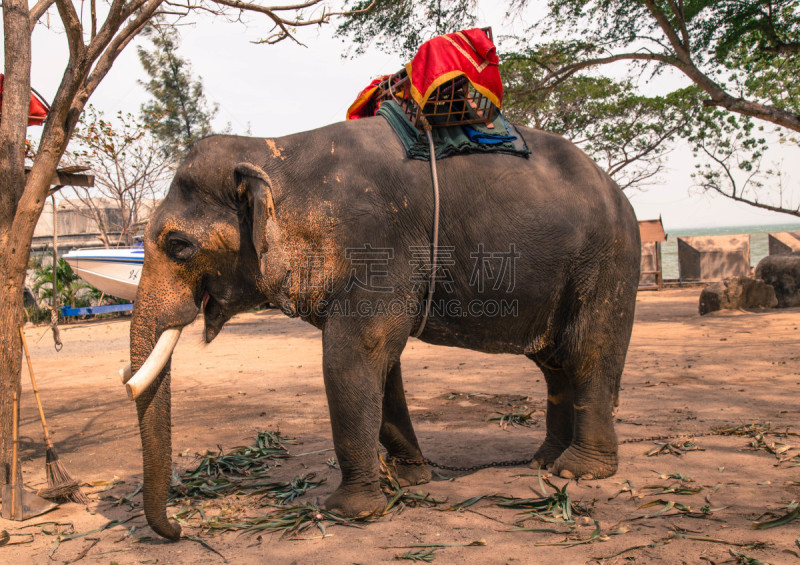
{"x": 792, "y": 514}
{"x": 178, "y": 113}
{"x": 403, "y": 25}
{"x": 69, "y": 285}
{"x": 625, "y": 132}
{"x": 218, "y": 473}
{"x": 556, "y": 507}
{"x": 512, "y": 419}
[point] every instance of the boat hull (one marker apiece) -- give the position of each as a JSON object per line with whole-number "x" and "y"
{"x": 115, "y": 272}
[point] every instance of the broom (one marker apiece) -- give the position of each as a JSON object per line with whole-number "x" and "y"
{"x": 59, "y": 484}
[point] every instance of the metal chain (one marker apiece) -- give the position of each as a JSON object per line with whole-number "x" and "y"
{"x": 426, "y": 461}
{"x": 662, "y": 438}
{"x": 514, "y": 463}
{"x": 520, "y": 462}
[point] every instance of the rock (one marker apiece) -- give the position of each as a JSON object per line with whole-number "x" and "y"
{"x": 737, "y": 292}
{"x": 782, "y": 272}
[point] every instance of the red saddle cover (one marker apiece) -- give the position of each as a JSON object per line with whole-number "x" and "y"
{"x": 359, "y": 108}
{"x": 470, "y": 53}
{"x": 38, "y": 108}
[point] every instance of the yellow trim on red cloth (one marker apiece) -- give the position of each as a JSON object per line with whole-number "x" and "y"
{"x": 354, "y": 111}
{"x": 469, "y": 53}
{"x": 358, "y": 104}
{"x": 421, "y": 99}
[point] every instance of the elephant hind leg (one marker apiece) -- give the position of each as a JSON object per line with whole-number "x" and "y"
{"x": 560, "y": 414}
{"x": 397, "y": 434}
{"x": 592, "y": 453}
{"x": 583, "y": 368}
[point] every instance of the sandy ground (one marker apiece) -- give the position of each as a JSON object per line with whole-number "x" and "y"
{"x": 685, "y": 375}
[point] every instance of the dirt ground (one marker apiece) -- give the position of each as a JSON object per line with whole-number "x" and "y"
{"x": 685, "y": 376}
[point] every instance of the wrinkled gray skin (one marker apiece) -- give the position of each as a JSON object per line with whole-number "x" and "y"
{"x": 242, "y": 214}
{"x": 782, "y": 272}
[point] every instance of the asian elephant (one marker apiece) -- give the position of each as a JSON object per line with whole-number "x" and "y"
{"x": 537, "y": 256}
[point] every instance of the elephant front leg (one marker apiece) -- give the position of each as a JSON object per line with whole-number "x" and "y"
{"x": 397, "y": 434}
{"x": 354, "y": 386}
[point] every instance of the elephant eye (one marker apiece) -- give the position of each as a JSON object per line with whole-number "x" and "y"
{"x": 180, "y": 248}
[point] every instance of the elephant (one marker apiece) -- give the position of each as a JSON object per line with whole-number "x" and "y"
{"x": 537, "y": 256}
{"x": 782, "y": 272}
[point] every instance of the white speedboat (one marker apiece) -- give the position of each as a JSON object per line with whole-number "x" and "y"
{"x": 113, "y": 271}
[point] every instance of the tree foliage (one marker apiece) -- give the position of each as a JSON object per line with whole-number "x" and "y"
{"x": 741, "y": 56}
{"x": 402, "y": 25}
{"x": 628, "y": 134}
{"x": 178, "y": 113}
{"x": 70, "y": 287}
{"x": 732, "y": 152}
{"x": 129, "y": 175}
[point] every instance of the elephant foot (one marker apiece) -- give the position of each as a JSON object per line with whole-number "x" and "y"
{"x": 410, "y": 474}
{"x": 547, "y": 453}
{"x": 580, "y": 463}
{"x": 355, "y": 502}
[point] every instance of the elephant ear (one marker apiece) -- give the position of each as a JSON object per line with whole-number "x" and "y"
{"x": 253, "y": 186}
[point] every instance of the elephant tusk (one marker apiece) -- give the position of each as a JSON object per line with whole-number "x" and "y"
{"x": 126, "y": 373}
{"x": 153, "y": 365}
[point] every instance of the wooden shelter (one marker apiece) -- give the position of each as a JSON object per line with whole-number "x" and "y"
{"x": 784, "y": 243}
{"x": 69, "y": 176}
{"x": 652, "y": 235}
{"x": 711, "y": 258}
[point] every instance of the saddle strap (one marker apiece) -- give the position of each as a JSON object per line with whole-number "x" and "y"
{"x": 435, "y": 248}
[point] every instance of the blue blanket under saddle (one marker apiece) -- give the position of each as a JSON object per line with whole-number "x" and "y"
{"x": 502, "y": 137}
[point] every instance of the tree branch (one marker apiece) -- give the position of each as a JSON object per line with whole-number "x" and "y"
{"x": 681, "y": 50}
{"x": 93, "y": 11}
{"x": 737, "y": 194}
{"x": 39, "y": 10}
{"x": 566, "y": 71}
{"x": 781, "y": 48}
{"x": 716, "y": 188}
{"x": 108, "y": 32}
{"x": 718, "y": 96}
{"x": 73, "y": 29}
{"x": 119, "y": 42}
{"x": 678, "y": 12}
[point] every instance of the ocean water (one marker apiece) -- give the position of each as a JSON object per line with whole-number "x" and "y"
{"x": 758, "y": 242}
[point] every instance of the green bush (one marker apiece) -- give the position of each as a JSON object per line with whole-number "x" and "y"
{"x": 69, "y": 285}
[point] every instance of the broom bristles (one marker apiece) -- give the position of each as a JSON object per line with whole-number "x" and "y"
{"x": 59, "y": 492}
{"x": 59, "y": 483}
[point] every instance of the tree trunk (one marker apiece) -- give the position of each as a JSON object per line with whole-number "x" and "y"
{"x": 13, "y": 256}
{"x": 11, "y": 319}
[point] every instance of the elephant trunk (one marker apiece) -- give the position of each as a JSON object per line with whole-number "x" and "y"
{"x": 153, "y": 407}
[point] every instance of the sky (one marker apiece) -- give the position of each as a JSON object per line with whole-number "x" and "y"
{"x": 275, "y": 90}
